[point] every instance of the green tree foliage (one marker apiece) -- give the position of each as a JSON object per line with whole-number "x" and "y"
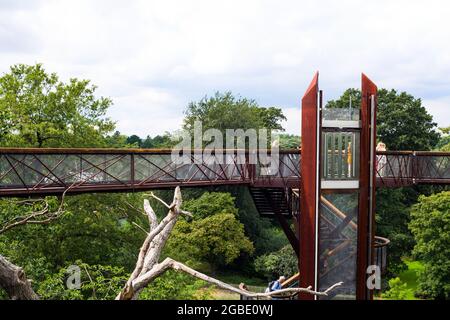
{"x": 397, "y": 290}
{"x": 289, "y": 141}
{"x": 211, "y": 203}
{"x": 215, "y": 236}
{"x": 98, "y": 282}
{"x": 39, "y": 110}
{"x": 134, "y": 140}
{"x": 392, "y": 216}
{"x": 275, "y": 264}
{"x": 225, "y": 111}
{"x": 159, "y": 141}
{"x": 351, "y": 98}
{"x": 173, "y": 285}
{"x": 116, "y": 140}
{"x": 103, "y": 282}
{"x": 265, "y": 233}
{"x": 403, "y": 123}
{"x": 430, "y": 225}
{"x": 218, "y": 239}
{"x": 95, "y": 228}
{"x": 444, "y": 142}
{"x": 167, "y": 140}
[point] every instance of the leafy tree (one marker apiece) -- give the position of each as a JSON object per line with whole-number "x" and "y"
{"x": 403, "y": 123}
{"x": 398, "y": 290}
{"x": 444, "y": 142}
{"x": 98, "y": 282}
{"x": 217, "y": 239}
{"x": 266, "y": 234}
{"x": 160, "y": 141}
{"x": 174, "y": 285}
{"x": 211, "y": 203}
{"x": 225, "y": 111}
{"x": 392, "y": 216}
{"x": 116, "y": 140}
{"x": 274, "y": 264}
{"x": 430, "y": 226}
{"x": 289, "y": 141}
{"x": 214, "y": 236}
{"x": 103, "y": 282}
{"x": 39, "y": 110}
{"x": 351, "y": 98}
{"x": 134, "y": 140}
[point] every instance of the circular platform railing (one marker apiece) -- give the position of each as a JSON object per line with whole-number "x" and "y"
{"x": 381, "y": 252}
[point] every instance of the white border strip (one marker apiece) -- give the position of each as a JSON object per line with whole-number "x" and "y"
{"x": 341, "y": 123}
{"x": 340, "y": 184}
{"x": 371, "y": 182}
{"x": 316, "y": 247}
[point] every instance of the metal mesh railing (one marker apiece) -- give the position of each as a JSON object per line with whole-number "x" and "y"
{"x": 46, "y": 171}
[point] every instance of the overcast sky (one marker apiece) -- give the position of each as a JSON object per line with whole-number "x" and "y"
{"x": 154, "y": 57}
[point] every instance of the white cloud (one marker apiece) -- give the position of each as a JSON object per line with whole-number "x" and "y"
{"x": 439, "y": 109}
{"x": 153, "y": 57}
{"x": 293, "y": 124}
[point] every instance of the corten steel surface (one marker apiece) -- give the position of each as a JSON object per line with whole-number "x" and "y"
{"x": 308, "y": 190}
{"x": 366, "y": 216}
{"x": 26, "y": 172}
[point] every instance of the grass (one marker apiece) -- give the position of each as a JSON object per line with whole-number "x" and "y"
{"x": 410, "y": 276}
{"x": 220, "y": 294}
{"x": 253, "y": 283}
{"x": 236, "y": 279}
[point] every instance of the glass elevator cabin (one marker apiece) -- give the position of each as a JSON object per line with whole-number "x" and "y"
{"x": 337, "y": 194}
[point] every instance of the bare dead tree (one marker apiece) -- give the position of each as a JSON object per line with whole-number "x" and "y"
{"x": 14, "y": 281}
{"x": 148, "y": 267}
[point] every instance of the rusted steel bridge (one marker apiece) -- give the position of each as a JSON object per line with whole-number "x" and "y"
{"x": 45, "y": 171}
{"x": 53, "y": 171}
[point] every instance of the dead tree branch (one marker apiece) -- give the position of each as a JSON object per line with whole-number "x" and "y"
{"x": 148, "y": 267}
{"x": 42, "y": 216}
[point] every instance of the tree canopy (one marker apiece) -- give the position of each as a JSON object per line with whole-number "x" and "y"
{"x": 225, "y": 111}
{"x": 403, "y": 123}
{"x": 39, "y": 110}
{"x": 430, "y": 225}
{"x": 215, "y": 236}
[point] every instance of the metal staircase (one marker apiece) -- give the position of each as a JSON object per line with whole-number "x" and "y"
{"x": 271, "y": 201}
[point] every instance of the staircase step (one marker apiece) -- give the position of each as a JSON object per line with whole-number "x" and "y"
{"x": 267, "y": 200}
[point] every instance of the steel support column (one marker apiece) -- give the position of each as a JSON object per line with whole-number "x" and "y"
{"x": 366, "y": 216}
{"x": 309, "y": 188}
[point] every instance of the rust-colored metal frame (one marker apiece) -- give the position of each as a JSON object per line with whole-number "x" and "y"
{"x": 45, "y": 165}
{"x": 309, "y": 188}
{"x": 366, "y": 216}
{"x": 399, "y": 168}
